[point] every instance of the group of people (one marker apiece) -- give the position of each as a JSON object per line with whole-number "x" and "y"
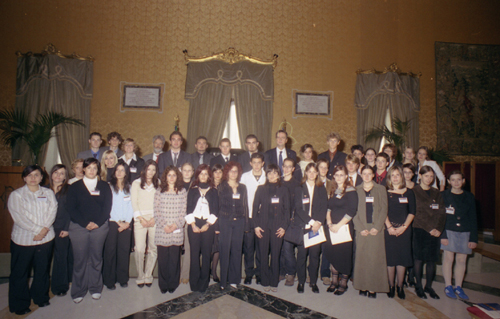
{"x": 363, "y": 216}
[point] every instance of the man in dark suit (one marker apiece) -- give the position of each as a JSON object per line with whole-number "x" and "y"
{"x": 175, "y": 156}
{"x": 225, "y": 154}
{"x": 352, "y": 165}
{"x": 280, "y": 153}
{"x": 114, "y": 140}
{"x": 95, "y": 151}
{"x": 158, "y": 144}
{"x": 333, "y": 156}
{"x": 252, "y": 146}
{"x": 200, "y": 156}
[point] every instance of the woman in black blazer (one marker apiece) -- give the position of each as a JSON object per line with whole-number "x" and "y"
{"x": 233, "y": 222}
{"x": 311, "y": 210}
{"x": 89, "y": 205}
{"x": 271, "y": 208}
{"x": 201, "y": 215}
{"x": 129, "y": 157}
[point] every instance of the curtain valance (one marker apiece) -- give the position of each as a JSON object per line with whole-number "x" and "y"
{"x": 219, "y": 72}
{"x": 52, "y": 67}
{"x": 370, "y": 85}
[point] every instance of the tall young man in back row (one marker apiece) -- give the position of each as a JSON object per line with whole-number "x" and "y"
{"x": 252, "y": 146}
{"x": 278, "y": 155}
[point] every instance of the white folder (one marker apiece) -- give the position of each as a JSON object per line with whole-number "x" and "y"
{"x": 311, "y": 239}
{"x": 342, "y": 236}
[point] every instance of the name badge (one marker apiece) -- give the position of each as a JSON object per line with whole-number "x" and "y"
{"x": 435, "y": 206}
{"x": 275, "y": 200}
{"x": 339, "y": 196}
{"x": 126, "y": 199}
{"x": 133, "y": 170}
{"x": 177, "y": 231}
{"x": 450, "y": 210}
{"x": 95, "y": 193}
{"x": 41, "y": 198}
{"x": 369, "y": 199}
{"x": 305, "y": 200}
{"x": 403, "y": 200}
{"x": 236, "y": 196}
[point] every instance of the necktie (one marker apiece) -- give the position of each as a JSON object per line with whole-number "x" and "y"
{"x": 157, "y": 156}
{"x": 280, "y": 161}
{"x": 201, "y": 159}
{"x": 95, "y": 155}
{"x": 175, "y": 158}
{"x": 226, "y": 158}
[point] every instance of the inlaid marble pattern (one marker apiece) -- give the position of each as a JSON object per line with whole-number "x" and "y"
{"x": 270, "y": 304}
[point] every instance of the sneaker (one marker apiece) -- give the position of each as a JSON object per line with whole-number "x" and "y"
{"x": 234, "y": 286}
{"x": 96, "y": 296}
{"x": 448, "y": 290}
{"x": 78, "y": 300}
{"x": 274, "y": 289}
{"x": 267, "y": 289}
{"x": 326, "y": 281}
{"x": 460, "y": 293}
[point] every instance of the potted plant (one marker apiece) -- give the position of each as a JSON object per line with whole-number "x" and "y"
{"x": 16, "y": 126}
{"x": 397, "y": 137}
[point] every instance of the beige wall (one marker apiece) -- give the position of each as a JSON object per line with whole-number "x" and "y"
{"x": 320, "y": 46}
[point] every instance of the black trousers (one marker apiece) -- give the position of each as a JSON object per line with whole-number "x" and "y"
{"x": 23, "y": 258}
{"x": 62, "y": 267}
{"x": 270, "y": 244}
{"x": 325, "y": 264}
{"x": 251, "y": 254}
{"x": 169, "y": 267}
{"x": 116, "y": 259}
{"x": 200, "y": 244}
{"x": 313, "y": 252}
{"x": 231, "y": 246}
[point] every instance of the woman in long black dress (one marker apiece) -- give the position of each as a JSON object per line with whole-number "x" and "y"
{"x": 342, "y": 207}
{"x": 400, "y": 214}
{"x": 217, "y": 180}
{"x": 271, "y": 209}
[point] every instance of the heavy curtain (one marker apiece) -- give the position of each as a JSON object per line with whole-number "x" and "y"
{"x": 210, "y": 85}
{"x": 376, "y": 93}
{"x": 53, "y": 83}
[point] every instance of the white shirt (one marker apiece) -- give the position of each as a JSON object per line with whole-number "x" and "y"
{"x": 142, "y": 199}
{"x": 74, "y": 179}
{"x": 283, "y": 155}
{"x": 31, "y": 212}
{"x": 353, "y": 178}
{"x": 172, "y": 152}
{"x": 128, "y": 160}
{"x": 155, "y": 156}
{"x": 226, "y": 158}
{"x": 310, "y": 189}
{"x": 201, "y": 211}
{"x": 248, "y": 179}
{"x": 90, "y": 183}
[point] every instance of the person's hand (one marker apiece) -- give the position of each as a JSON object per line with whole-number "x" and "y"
{"x": 92, "y": 226}
{"x": 151, "y": 222}
{"x": 445, "y": 242}
{"x": 373, "y": 232}
{"x": 400, "y": 230}
{"x": 316, "y": 226}
{"x": 472, "y": 245}
{"x": 144, "y": 222}
{"x": 392, "y": 231}
{"x": 435, "y": 233}
{"x": 280, "y": 233}
{"x": 365, "y": 232}
{"x": 63, "y": 234}
{"x": 258, "y": 231}
{"x": 41, "y": 235}
{"x": 196, "y": 229}
{"x": 204, "y": 228}
{"x": 123, "y": 226}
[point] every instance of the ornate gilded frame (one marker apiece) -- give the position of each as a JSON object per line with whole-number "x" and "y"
{"x": 51, "y": 49}
{"x": 231, "y": 55}
{"x": 391, "y": 68}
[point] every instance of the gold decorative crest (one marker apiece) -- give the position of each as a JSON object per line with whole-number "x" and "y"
{"x": 231, "y": 55}
{"x": 391, "y": 68}
{"x": 51, "y": 49}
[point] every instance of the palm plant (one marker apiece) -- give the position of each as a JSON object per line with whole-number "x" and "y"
{"x": 398, "y": 136}
{"x": 16, "y": 127}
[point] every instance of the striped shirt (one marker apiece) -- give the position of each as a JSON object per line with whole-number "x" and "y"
{"x": 170, "y": 208}
{"x": 31, "y": 212}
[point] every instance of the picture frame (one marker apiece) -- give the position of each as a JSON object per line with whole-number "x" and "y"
{"x": 141, "y": 96}
{"x": 312, "y": 104}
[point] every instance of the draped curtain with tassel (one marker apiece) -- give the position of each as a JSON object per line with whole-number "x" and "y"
{"x": 53, "y": 83}
{"x": 376, "y": 93}
{"x": 209, "y": 88}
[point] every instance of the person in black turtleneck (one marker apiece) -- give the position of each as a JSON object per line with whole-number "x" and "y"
{"x": 272, "y": 215}
{"x": 202, "y": 214}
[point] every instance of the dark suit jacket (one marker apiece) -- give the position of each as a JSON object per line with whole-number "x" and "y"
{"x": 220, "y": 160}
{"x": 244, "y": 160}
{"x": 338, "y": 159}
{"x": 319, "y": 204}
{"x": 359, "y": 180}
{"x": 139, "y": 165}
{"x": 118, "y": 152}
{"x": 165, "y": 160}
{"x": 84, "y": 208}
{"x": 267, "y": 214}
{"x": 194, "y": 159}
{"x": 272, "y": 158}
{"x": 88, "y": 153}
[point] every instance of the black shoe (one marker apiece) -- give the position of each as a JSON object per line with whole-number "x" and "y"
{"x": 163, "y": 291}
{"x": 372, "y": 295}
{"x": 125, "y": 285}
{"x": 391, "y": 292}
{"x": 332, "y": 288}
{"x": 23, "y": 312}
{"x": 44, "y": 304}
{"x": 340, "y": 291}
{"x": 248, "y": 280}
{"x": 111, "y": 287}
{"x": 149, "y": 285}
{"x": 61, "y": 294}
{"x": 431, "y": 293}
{"x": 315, "y": 288}
{"x": 140, "y": 285}
{"x": 257, "y": 280}
{"x": 363, "y": 293}
{"x": 216, "y": 279}
{"x": 411, "y": 283}
{"x": 420, "y": 293}
{"x": 171, "y": 291}
{"x": 300, "y": 288}
{"x": 401, "y": 293}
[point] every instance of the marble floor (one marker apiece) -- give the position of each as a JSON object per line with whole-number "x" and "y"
{"x": 250, "y": 301}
